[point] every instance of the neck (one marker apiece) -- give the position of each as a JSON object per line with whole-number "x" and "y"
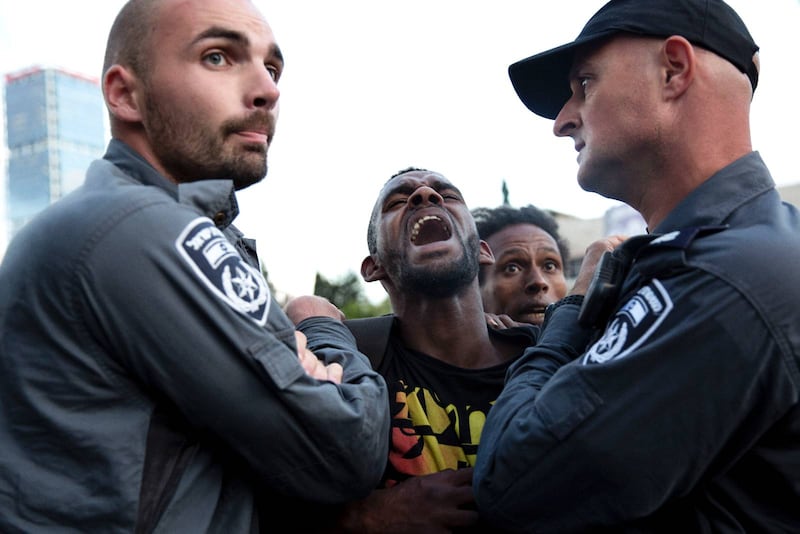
{"x": 453, "y": 330}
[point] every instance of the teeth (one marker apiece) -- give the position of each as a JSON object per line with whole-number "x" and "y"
{"x": 419, "y": 223}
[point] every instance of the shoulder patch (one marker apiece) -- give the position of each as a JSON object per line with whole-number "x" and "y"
{"x": 633, "y": 324}
{"x": 681, "y": 239}
{"x": 217, "y": 263}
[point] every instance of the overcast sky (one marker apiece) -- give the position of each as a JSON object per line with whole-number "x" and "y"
{"x": 371, "y": 87}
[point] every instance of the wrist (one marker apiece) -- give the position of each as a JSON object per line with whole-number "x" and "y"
{"x": 569, "y": 299}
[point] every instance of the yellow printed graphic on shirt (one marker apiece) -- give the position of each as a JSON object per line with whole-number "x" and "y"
{"x": 429, "y": 436}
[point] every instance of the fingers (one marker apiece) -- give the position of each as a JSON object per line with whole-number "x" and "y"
{"x": 507, "y": 321}
{"x": 500, "y": 322}
{"x": 301, "y": 340}
{"x": 493, "y": 321}
{"x": 307, "y": 358}
{"x": 334, "y": 373}
{"x": 313, "y": 366}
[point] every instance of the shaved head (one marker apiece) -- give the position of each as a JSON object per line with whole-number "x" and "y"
{"x": 129, "y": 37}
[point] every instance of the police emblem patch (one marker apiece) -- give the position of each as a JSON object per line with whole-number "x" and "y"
{"x": 219, "y": 265}
{"x": 632, "y": 324}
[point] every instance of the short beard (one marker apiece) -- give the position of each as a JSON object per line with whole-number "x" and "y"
{"x": 189, "y": 151}
{"x": 438, "y": 282}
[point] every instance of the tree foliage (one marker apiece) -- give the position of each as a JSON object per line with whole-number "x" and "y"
{"x": 348, "y": 295}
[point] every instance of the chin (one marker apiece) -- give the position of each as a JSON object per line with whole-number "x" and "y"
{"x": 532, "y": 318}
{"x": 584, "y": 181}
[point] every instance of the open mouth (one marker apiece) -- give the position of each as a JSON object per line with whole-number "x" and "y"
{"x": 429, "y": 229}
{"x": 534, "y": 318}
{"x": 530, "y": 314}
{"x": 538, "y": 309}
{"x": 533, "y": 310}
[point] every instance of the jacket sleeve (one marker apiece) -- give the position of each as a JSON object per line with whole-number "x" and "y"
{"x": 201, "y": 334}
{"x": 578, "y": 441}
{"x": 365, "y": 430}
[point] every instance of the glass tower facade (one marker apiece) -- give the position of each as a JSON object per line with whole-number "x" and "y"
{"x": 54, "y": 129}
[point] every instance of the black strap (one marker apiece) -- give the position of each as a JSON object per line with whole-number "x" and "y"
{"x": 604, "y": 289}
{"x": 170, "y": 449}
{"x": 372, "y": 336}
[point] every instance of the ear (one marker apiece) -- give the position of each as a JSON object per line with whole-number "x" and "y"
{"x": 679, "y": 63}
{"x": 486, "y": 257}
{"x": 371, "y": 270}
{"x": 120, "y": 88}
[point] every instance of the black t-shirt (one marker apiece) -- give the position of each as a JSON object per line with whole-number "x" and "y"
{"x": 438, "y": 409}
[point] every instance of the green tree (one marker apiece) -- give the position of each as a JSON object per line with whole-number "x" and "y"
{"x": 348, "y": 295}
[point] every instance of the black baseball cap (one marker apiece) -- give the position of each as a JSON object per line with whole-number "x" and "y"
{"x": 542, "y": 80}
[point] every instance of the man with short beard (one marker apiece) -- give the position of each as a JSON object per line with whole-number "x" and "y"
{"x": 148, "y": 380}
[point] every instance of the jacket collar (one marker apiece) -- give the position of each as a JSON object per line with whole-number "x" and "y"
{"x": 719, "y": 196}
{"x": 214, "y": 198}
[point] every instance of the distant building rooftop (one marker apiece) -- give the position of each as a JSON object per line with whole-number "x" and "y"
{"x": 14, "y": 76}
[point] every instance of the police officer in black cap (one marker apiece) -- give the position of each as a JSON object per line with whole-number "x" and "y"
{"x": 668, "y": 397}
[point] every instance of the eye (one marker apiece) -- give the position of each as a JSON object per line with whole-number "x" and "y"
{"x": 579, "y": 84}
{"x": 216, "y": 59}
{"x": 395, "y": 201}
{"x": 551, "y": 266}
{"x": 449, "y": 194}
{"x": 583, "y": 84}
{"x": 274, "y": 72}
{"x": 511, "y": 268}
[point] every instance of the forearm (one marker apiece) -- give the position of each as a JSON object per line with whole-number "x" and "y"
{"x": 361, "y": 400}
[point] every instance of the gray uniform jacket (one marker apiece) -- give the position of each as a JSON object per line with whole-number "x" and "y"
{"x": 148, "y": 381}
{"x": 683, "y": 415}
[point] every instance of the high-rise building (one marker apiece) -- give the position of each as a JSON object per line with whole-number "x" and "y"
{"x": 54, "y": 129}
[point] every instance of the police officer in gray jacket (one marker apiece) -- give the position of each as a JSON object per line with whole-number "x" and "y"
{"x": 668, "y": 398}
{"x": 148, "y": 380}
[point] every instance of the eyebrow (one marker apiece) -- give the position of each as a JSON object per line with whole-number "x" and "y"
{"x": 517, "y": 250}
{"x": 514, "y": 251}
{"x": 218, "y": 32}
{"x": 407, "y": 187}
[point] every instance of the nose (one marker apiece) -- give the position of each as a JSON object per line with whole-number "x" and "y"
{"x": 536, "y": 283}
{"x": 567, "y": 119}
{"x": 264, "y": 92}
{"x": 425, "y": 195}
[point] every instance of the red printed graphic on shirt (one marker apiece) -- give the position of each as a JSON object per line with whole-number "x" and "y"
{"x": 429, "y": 436}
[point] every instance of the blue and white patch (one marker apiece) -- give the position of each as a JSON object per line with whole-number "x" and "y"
{"x": 666, "y": 238}
{"x": 632, "y": 324}
{"x": 220, "y": 267}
